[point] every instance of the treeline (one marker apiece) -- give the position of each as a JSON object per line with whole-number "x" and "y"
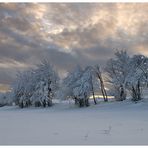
{"x": 122, "y": 74}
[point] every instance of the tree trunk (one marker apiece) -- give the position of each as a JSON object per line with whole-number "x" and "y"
{"x": 76, "y": 101}
{"x": 122, "y": 93}
{"x": 37, "y": 104}
{"x": 49, "y": 102}
{"x": 81, "y": 103}
{"x": 44, "y": 103}
{"x": 104, "y": 93}
{"x": 29, "y": 102}
{"x": 136, "y": 92}
{"x": 21, "y": 104}
{"x": 87, "y": 102}
{"x": 93, "y": 92}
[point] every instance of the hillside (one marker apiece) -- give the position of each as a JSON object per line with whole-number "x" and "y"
{"x": 113, "y": 123}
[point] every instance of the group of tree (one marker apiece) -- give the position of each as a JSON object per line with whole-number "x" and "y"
{"x": 36, "y": 86}
{"x": 127, "y": 74}
{"x": 122, "y": 74}
{"x": 39, "y": 86}
{"x": 80, "y": 84}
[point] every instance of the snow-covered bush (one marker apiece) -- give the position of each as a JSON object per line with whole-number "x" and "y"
{"x": 5, "y": 99}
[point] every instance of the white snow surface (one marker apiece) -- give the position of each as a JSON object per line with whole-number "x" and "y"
{"x": 112, "y": 123}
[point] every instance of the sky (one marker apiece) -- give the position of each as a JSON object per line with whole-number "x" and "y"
{"x": 68, "y": 34}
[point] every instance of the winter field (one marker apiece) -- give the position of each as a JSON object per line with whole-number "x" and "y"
{"x": 112, "y": 123}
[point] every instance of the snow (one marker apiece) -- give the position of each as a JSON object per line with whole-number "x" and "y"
{"x": 112, "y": 123}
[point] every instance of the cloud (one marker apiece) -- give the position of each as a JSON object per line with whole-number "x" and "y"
{"x": 68, "y": 34}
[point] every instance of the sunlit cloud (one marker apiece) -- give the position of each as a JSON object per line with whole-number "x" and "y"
{"x": 13, "y": 64}
{"x": 68, "y": 34}
{"x": 4, "y": 88}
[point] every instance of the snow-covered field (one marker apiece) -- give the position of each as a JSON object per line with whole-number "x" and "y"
{"x": 113, "y": 123}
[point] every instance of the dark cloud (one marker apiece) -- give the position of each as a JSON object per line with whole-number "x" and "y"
{"x": 7, "y": 75}
{"x": 68, "y": 34}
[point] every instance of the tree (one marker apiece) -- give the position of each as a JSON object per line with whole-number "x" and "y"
{"x": 46, "y": 83}
{"x": 68, "y": 83}
{"x": 83, "y": 87}
{"x": 36, "y": 86}
{"x": 137, "y": 76}
{"x": 23, "y": 88}
{"x": 117, "y": 70}
{"x": 93, "y": 90}
{"x": 3, "y": 99}
{"x": 127, "y": 73}
{"x": 78, "y": 85}
{"x": 99, "y": 75}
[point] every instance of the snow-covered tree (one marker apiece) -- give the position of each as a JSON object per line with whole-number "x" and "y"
{"x": 23, "y": 88}
{"x": 137, "y": 77}
{"x": 3, "y": 99}
{"x": 46, "y": 83}
{"x": 83, "y": 87}
{"x": 117, "y": 71}
{"x": 6, "y": 98}
{"x": 144, "y": 69}
{"x": 36, "y": 86}
{"x": 127, "y": 74}
{"x": 78, "y": 85}
{"x": 69, "y": 83}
